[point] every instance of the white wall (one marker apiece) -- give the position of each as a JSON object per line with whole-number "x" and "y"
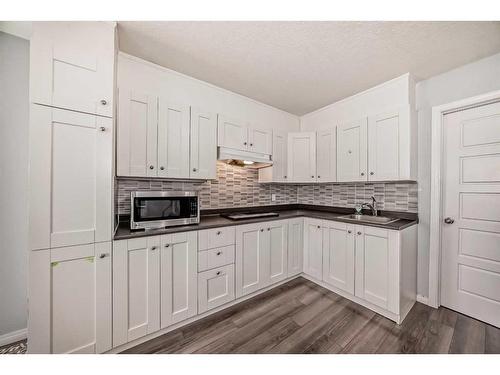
{"x": 179, "y": 88}
{"x": 469, "y": 80}
{"x": 384, "y": 97}
{"x": 14, "y": 74}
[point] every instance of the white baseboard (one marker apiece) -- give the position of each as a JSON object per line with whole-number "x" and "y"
{"x": 422, "y": 299}
{"x": 11, "y": 337}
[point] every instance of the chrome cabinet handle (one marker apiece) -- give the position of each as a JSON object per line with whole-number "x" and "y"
{"x": 218, "y": 273}
{"x": 349, "y": 231}
{"x": 103, "y": 255}
{"x": 262, "y": 230}
{"x": 194, "y": 169}
{"x": 104, "y": 102}
{"x": 319, "y": 226}
{"x": 319, "y": 176}
{"x": 167, "y": 245}
{"x": 153, "y": 248}
{"x": 362, "y": 173}
{"x": 449, "y": 220}
{"x": 162, "y": 168}
{"x": 371, "y": 173}
{"x": 244, "y": 143}
{"x": 219, "y": 253}
{"x": 251, "y": 144}
{"x": 102, "y": 128}
{"x": 312, "y": 176}
{"x": 284, "y": 176}
{"x": 151, "y": 167}
{"x": 219, "y": 233}
{"x": 359, "y": 233}
{"x": 268, "y": 229}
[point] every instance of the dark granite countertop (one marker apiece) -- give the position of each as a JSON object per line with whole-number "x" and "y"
{"x": 212, "y": 219}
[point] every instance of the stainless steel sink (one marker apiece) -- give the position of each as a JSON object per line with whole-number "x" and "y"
{"x": 370, "y": 219}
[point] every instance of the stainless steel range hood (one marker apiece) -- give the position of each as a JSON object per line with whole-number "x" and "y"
{"x": 245, "y": 159}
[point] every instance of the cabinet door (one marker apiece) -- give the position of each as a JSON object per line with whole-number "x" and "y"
{"x": 232, "y": 133}
{"x": 302, "y": 157}
{"x": 352, "y": 151}
{"x": 295, "y": 246}
{"x": 71, "y": 172}
{"x": 136, "y": 288}
{"x": 387, "y": 148}
{"x": 313, "y": 248}
{"x": 252, "y": 258}
{"x": 260, "y": 141}
{"x": 173, "y": 140}
{"x": 377, "y": 267}
{"x": 338, "y": 255}
{"x": 279, "y": 157}
{"x": 70, "y": 299}
{"x": 179, "y": 270}
{"x": 326, "y": 154}
{"x": 278, "y": 250}
{"x": 215, "y": 287}
{"x": 137, "y": 133}
{"x": 203, "y": 153}
{"x": 72, "y": 66}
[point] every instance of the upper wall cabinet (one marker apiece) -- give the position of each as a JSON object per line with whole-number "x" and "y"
{"x": 238, "y": 135}
{"x": 72, "y": 66}
{"x": 157, "y": 138}
{"x": 71, "y": 171}
{"x": 352, "y": 151}
{"x": 278, "y": 171}
{"x": 203, "y": 153}
{"x": 326, "y": 155}
{"x": 302, "y": 157}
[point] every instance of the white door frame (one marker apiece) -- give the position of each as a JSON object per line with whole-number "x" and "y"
{"x": 436, "y": 216}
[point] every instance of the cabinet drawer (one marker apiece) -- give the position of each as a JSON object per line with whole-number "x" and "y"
{"x": 217, "y": 257}
{"x": 215, "y": 288}
{"x": 218, "y": 237}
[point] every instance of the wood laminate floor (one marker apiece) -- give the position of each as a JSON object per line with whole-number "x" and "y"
{"x": 302, "y": 317}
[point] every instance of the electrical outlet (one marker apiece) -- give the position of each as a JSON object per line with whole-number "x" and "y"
{"x": 273, "y": 197}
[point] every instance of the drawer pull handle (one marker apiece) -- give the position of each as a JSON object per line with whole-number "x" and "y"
{"x": 319, "y": 226}
{"x": 218, "y": 273}
{"x": 262, "y": 230}
{"x": 153, "y": 248}
{"x": 349, "y": 231}
{"x": 359, "y": 233}
{"x": 268, "y": 229}
{"x": 219, "y": 233}
{"x": 103, "y": 255}
{"x": 219, "y": 253}
{"x": 167, "y": 245}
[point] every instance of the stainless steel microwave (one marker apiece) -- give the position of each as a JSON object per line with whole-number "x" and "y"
{"x": 160, "y": 209}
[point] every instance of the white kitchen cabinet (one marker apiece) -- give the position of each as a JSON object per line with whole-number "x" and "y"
{"x": 313, "y": 248}
{"x": 137, "y": 133}
{"x": 71, "y": 155}
{"x": 338, "y": 255}
{"x": 215, "y": 287}
{"x": 302, "y": 157}
{"x": 232, "y": 133}
{"x": 136, "y": 288}
{"x": 326, "y": 155}
{"x": 173, "y": 140}
{"x": 278, "y": 171}
{"x": 261, "y": 255}
{"x": 352, "y": 148}
{"x": 295, "y": 246}
{"x": 179, "y": 272}
{"x": 390, "y": 150}
{"x": 72, "y": 66}
{"x": 260, "y": 140}
{"x": 203, "y": 150}
{"x": 70, "y": 299}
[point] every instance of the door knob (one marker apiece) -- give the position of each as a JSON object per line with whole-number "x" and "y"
{"x": 449, "y": 220}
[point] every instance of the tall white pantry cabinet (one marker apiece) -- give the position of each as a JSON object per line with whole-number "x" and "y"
{"x": 71, "y": 178}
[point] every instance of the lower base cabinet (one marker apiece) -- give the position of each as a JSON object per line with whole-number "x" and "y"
{"x": 261, "y": 255}
{"x": 70, "y": 299}
{"x": 313, "y": 248}
{"x": 154, "y": 284}
{"x": 295, "y": 246}
{"x": 215, "y": 287}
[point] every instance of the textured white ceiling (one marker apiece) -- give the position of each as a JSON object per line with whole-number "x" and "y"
{"x": 303, "y": 66}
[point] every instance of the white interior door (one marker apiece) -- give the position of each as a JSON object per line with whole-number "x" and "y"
{"x": 352, "y": 151}
{"x": 137, "y": 133}
{"x": 179, "y": 271}
{"x": 302, "y": 157}
{"x": 71, "y": 172}
{"x": 203, "y": 152}
{"x": 326, "y": 155}
{"x": 470, "y": 267}
{"x": 173, "y": 140}
{"x": 338, "y": 255}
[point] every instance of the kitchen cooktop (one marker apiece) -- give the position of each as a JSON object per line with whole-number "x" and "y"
{"x": 249, "y": 215}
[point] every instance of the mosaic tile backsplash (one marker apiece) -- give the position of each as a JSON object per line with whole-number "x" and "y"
{"x": 239, "y": 187}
